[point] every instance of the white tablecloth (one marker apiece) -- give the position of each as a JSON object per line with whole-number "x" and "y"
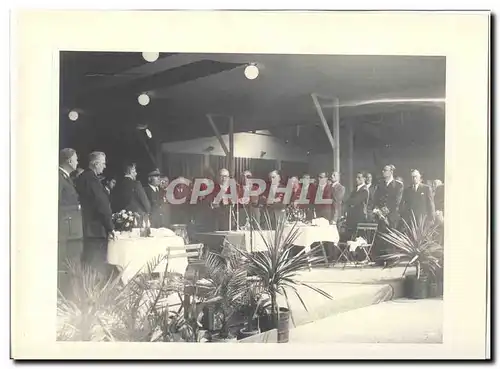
{"x": 306, "y": 236}
{"x": 132, "y": 254}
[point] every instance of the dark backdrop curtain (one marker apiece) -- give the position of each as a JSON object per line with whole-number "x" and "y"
{"x": 193, "y": 165}
{"x": 186, "y": 165}
{"x": 291, "y": 168}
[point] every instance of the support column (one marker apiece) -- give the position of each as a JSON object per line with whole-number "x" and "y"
{"x": 333, "y": 139}
{"x": 350, "y": 156}
{"x": 217, "y": 134}
{"x": 233, "y": 209}
{"x": 336, "y": 135}
{"x": 231, "y": 147}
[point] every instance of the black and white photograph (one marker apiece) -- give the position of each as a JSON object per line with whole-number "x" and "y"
{"x": 254, "y": 197}
{"x": 367, "y": 131}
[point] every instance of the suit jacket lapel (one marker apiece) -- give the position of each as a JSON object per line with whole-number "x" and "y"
{"x": 66, "y": 177}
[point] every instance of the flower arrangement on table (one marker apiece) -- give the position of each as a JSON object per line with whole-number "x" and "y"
{"x": 125, "y": 220}
{"x": 295, "y": 214}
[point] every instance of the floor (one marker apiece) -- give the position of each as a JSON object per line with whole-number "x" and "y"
{"x": 350, "y": 288}
{"x": 397, "y": 321}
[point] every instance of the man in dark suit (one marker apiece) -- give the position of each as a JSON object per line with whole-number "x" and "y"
{"x": 181, "y": 213}
{"x": 160, "y": 211}
{"x": 130, "y": 195}
{"x": 356, "y": 208}
{"x": 387, "y": 199}
{"x": 70, "y": 241}
{"x": 370, "y": 186}
{"x": 388, "y": 195}
{"x": 323, "y": 191}
{"x": 96, "y": 212}
{"x": 109, "y": 184}
{"x": 249, "y": 211}
{"x": 221, "y": 210}
{"x": 357, "y": 204}
{"x": 338, "y": 193}
{"x": 417, "y": 200}
{"x": 272, "y": 201}
{"x": 308, "y": 203}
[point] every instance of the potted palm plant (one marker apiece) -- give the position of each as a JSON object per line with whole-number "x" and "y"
{"x": 227, "y": 284}
{"x": 103, "y": 309}
{"x": 275, "y": 270}
{"x": 418, "y": 246}
{"x": 90, "y": 309}
{"x": 436, "y": 281}
{"x": 256, "y": 309}
{"x": 250, "y": 309}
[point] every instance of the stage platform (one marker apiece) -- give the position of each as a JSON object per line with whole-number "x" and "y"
{"x": 350, "y": 287}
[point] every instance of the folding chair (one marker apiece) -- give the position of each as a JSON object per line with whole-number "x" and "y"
{"x": 368, "y": 231}
{"x": 343, "y": 247}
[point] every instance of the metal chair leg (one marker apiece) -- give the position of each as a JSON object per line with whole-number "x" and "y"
{"x": 322, "y": 245}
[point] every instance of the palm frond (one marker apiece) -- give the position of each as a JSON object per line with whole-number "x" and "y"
{"x": 103, "y": 309}
{"x": 283, "y": 291}
{"x": 418, "y": 243}
{"x": 276, "y": 268}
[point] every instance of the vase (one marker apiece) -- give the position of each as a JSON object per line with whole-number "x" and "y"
{"x": 266, "y": 323}
{"x": 416, "y": 288}
{"x": 433, "y": 289}
{"x": 283, "y": 325}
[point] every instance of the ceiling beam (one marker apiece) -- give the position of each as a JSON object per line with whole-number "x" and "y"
{"x": 99, "y": 99}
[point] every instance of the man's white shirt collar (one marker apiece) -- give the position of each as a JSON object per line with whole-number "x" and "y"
{"x": 153, "y": 187}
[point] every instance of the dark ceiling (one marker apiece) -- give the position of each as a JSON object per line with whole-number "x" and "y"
{"x": 103, "y": 87}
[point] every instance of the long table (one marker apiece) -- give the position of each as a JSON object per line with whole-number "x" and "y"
{"x": 254, "y": 241}
{"x": 131, "y": 254}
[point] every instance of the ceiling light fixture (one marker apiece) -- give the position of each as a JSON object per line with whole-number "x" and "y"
{"x": 251, "y": 71}
{"x": 73, "y": 115}
{"x": 151, "y": 57}
{"x": 143, "y": 99}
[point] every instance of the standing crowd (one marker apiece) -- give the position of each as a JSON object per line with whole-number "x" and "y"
{"x": 87, "y": 201}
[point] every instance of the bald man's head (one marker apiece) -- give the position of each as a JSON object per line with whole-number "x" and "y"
{"x": 274, "y": 177}
{"x": 223, "y": 176}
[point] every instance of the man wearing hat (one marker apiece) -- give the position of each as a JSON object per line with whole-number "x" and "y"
{"x": 160, "y": 211}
